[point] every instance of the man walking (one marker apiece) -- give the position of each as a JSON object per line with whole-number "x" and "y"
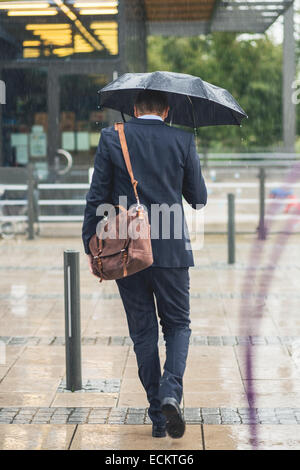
{"x": 166, "y": 165}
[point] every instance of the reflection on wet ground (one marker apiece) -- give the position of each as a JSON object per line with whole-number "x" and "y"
{"x": 32, "y": 356}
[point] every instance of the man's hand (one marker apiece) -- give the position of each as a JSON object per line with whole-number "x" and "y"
{"x": 90, "y": 263}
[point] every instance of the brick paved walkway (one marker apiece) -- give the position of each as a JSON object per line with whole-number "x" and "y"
{"x": 36, "y": 411}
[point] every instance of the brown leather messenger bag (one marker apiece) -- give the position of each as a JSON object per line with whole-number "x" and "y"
{"x": 122, "y": 246}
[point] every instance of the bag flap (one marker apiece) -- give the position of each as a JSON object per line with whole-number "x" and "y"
{"x": 113, "y": 246}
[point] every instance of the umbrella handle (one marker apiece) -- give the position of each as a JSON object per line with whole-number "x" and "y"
{"x": 193, "y": 113}
{"x": 123, "y": 117}
{"x": 194, "y": 120}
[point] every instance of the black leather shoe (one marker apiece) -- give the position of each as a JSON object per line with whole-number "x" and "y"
{"x": 158, "y": 431}
{"x": 175, "y": 425}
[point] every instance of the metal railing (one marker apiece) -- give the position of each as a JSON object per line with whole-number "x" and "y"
{"x": 30, "y": 207}
{"x": 242, "y": 160}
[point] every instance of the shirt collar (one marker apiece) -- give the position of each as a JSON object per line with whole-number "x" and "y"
{"x": 150, "y": 116}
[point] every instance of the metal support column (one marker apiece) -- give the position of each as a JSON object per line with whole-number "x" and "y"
{"x": 72, "y": 320}
{"x": 289, "y": 75}
{"x": 30, "y": 201}
{"x": 122, "y": 34}
{"x": 53, "y": 136}
{"x": 231, "y": 228}
{"x": 143, "y": 43}
{"x": 261, "y": 226}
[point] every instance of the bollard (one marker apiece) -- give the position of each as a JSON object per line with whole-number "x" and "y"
{"x": 30, "y": 202}
{"x": 231, "y": 229}
{"x": 72, "y": 320}
{"x": 261, "y": 225}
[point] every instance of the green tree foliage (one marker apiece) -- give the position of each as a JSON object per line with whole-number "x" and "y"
{"x": 250, "y": 69}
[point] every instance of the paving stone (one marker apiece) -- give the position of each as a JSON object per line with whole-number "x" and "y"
{"x": 243, "y": 339}
{"x": 211, "y": 419}
{"x": 230, "y": 420}
{"x": 135, "y": 419}
{"x": 286, "y": 340}
{"x": 136, "y": 410}
{"x": 121, "y": 416}
{"x": 117, "y": 340}
{"x": 47, "y": 341}
{"x": 116, "y": 419}
{"x": 22, "y": 421}
{"x": 40, "y": 421}
{"x": 284, "y": 411}
{"x": 33, "y": 340}
{"x": 230, "y": 417}
{"x": 229, "y": 340}
{"x": 197, "y": 340}
{"x": 10, "y": 409}
{"x": 88, "y": 340}
{"x": 214, "y": 341}
{"x": 5, "y": 339}
{"x": 17, "y": 340}
{"x": 94, "y": 386}
{"x": 269, "y": 411}
{"x": 257, "y": 340}
{"x": 228, "y": 410}
{"x": 147, "y": 419}
{"x": 245, "y": 413}
{"x": 78, "y": 416}
{"x": 98, "y": 412}
{"x": 285, "y": 415}
{"x": 273, "y": 340}
{"x": 269, "y": 421}
{"x": 117, "y": 414}
{"x": 250, "y": 421}
{"x": 200, "y": 340}
{"x": 61, "y": 411}
{"x": 210, "y": 411}
{"x": 43, "y": 416}
{"x": 287, "y": 421}
{"x": 58, "y": 421}
{"x": 77, "y": 419}
{"x": 58, "y": 341}
{"x": 128, "y": 341}
{"x": 99, "y": 421}
{"x": 191, "y": 412}
{"x": 265, "y": 410}
{"x": 28, "y": 410}
{"x": 192, "y": 415}
{"x": 102, "y": 340}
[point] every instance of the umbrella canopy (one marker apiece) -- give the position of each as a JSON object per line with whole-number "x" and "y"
{"x": 193, "y": 102}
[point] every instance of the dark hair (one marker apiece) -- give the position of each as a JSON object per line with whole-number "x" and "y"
{"x": 151, "y": 101}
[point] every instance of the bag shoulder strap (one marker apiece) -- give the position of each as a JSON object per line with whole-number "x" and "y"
{"x": 119, "y": 126}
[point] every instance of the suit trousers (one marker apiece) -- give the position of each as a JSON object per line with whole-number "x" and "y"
{"x": 170, "y": 288}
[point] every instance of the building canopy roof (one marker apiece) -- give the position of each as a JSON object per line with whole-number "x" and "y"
{"x": 202, "y": 16}
{"x": 73, "y": 27}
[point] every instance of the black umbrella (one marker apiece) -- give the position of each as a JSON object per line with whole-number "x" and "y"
{"x": 193, "y": 102}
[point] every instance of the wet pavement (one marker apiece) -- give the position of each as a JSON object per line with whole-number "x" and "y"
{"x": 36, "y": 412}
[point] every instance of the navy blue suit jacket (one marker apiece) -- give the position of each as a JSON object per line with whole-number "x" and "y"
{"x": 165, "y": 164}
